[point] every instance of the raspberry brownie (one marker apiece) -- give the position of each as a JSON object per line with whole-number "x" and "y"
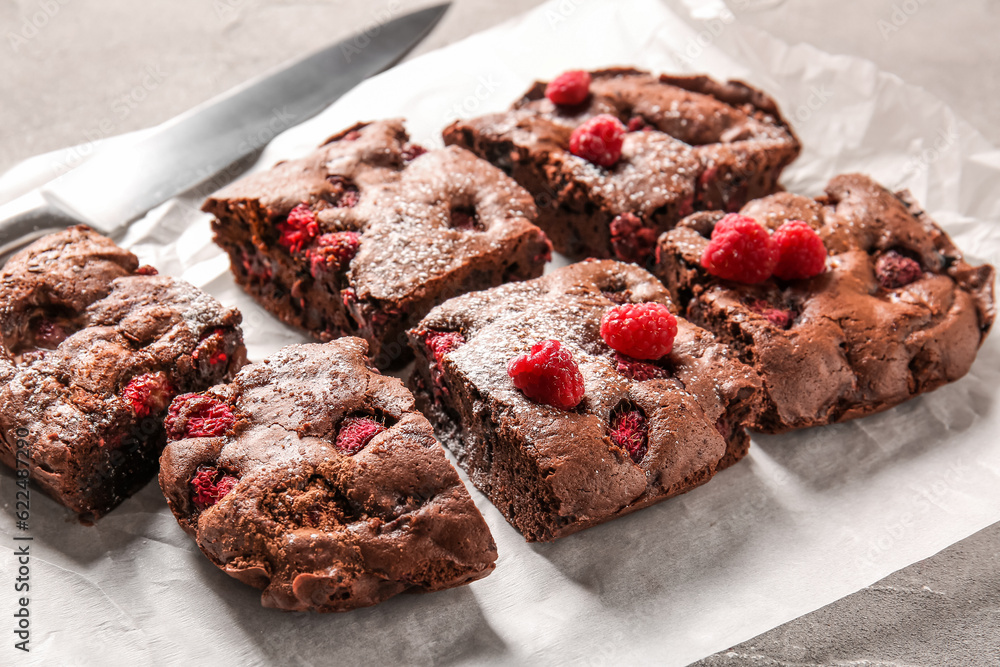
{"x": 616, "y": 156}
{"x": 895, "y": 311}
{"x": 366, "y": 234}
{"x": 93, "y": 349}
{"x": 535, "y": 388}
{"x": 313, "y": 477}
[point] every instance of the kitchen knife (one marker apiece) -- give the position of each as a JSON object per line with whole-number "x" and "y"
{"x": 122, "y": 183}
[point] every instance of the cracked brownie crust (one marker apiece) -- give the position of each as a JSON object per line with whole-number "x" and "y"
{"x": 366, "y": 234}
{"x": 553, "y": 472}
{"x": 313, "y": 477}
{"x": 93, "y": 348}
{"x": 898, "y": 311}
{"x": 694, "y": 144}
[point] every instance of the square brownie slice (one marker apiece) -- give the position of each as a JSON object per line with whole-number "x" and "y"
{"x": 365, "y": 235}
{"x": 896, "y": 312}
{"x": 644, "y": 430}
{"x": 93, "y": 349}
{"x": 692, "y": 144}
{"x": 315, "y": 478}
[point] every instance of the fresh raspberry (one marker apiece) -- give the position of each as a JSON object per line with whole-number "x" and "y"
{"x": 197, "y": 416}
{"x": 209, "y": 486}
{"x": 49, "y": 334}
{"x": 801, "y": 253}
{"x": 740, "y": 250}
{"x": 441, "y": 343}
{"x": 569, "y": 88}
{"x": 333, "y": 253}
{"x": 548, "y": 374}
{"x": 628, "y": 431}
{"x": 412, "y": 152}
{"x": 148, "y": 394}
{"x": 298, "y": 229}
{"x": 465, "y": 218}
{"x": 893, "y": 269}
{"x": 639, "y": 330}
{"x": 345, "y": 193}
{"x": 631, "y": 239}
{"x": 779, "y": 317}
{"x": 356, "y": 432}
{"x": 598, "y": 140}
{"x": 637, "y": 370}
{"x": 146, "y": 270}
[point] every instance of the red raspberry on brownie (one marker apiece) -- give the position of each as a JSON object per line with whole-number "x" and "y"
{"x": 548, "y": 374}
{"x": 894, "y": 269}
{"x": 632, "y": 240}
{"x": 569, "y": 88}
{"x": 628, "y": 431}
{"x": 639, "y": 330}
{"x": 640, "y": 371}
{"x": 148, "y": 394}
{"x": 209, "y": 486}
{"x": 443, "y": 342}
{"x": 740, "y": 250}
{"x": 298, "y": 229}
{"x": 356, "y": 432}
{"x": 334, "y": 252}
{"x": 801, "y": 253}
{"x": 197, "y": 416}
{"x": 599, "y": 140}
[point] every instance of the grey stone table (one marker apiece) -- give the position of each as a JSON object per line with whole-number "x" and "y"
{"x": 74, "y": 71}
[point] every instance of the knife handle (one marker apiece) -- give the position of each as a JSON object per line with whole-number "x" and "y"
{"x": 27, "y": 218}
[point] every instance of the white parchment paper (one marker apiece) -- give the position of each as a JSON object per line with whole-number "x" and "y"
{"x": 806, "y": 519}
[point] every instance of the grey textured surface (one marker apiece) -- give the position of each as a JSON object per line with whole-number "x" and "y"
{"x": 72, "y": 71}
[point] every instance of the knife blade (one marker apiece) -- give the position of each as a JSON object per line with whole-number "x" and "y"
{"x": 122, "y": 183}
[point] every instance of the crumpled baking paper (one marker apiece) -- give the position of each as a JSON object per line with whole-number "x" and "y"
{"x": 806, "y": 519}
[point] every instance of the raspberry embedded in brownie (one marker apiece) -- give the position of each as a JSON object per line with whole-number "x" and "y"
{"x": 692, "y": 143}
{"x": 897, "y": 311}
{"x": 552, "y": 461}
{"x": 313, "y": 477}
{"x": 93, "y": 349}
{"x": 366, "y": 234}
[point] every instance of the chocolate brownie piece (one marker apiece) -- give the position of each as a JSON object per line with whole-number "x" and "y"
{"x": 552, "y": 472}
{"x": 897, "y": 312}
{"x": 366, "y": 234}
{"x": 93, "y": 348}
{"x": 315, "y": 478}
{"x": 694, "y": 144}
